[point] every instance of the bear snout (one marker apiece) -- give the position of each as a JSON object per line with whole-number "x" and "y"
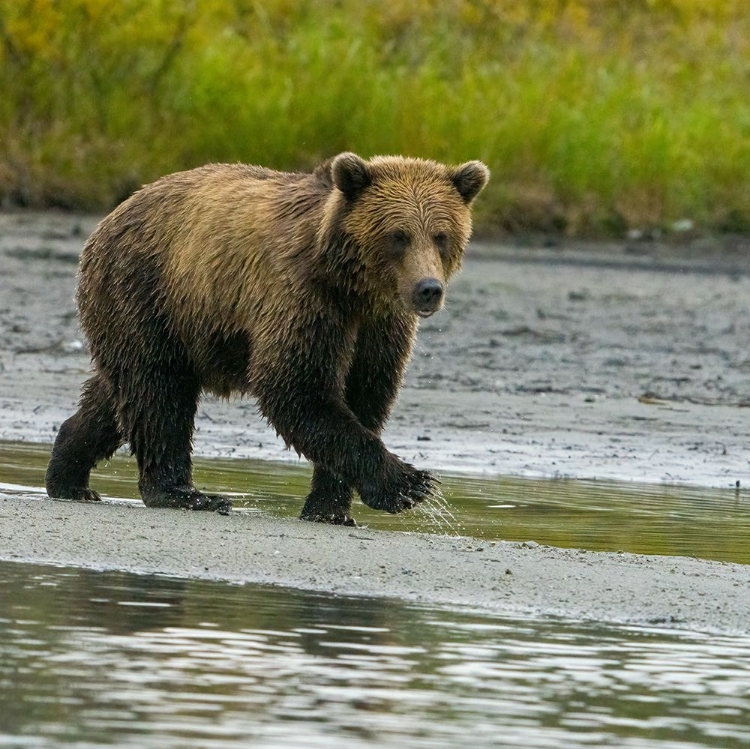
{"x": 427, "y": 296}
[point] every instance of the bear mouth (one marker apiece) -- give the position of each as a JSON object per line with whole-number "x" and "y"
{"x": 425, "y": 313}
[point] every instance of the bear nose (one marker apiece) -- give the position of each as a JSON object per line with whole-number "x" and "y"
{"x": 428, "y": 294}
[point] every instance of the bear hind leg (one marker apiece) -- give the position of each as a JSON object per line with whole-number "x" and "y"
{"x": 90, "y": 435}
{"x": 159, "y": 426}
{"x": 329, "y": 500}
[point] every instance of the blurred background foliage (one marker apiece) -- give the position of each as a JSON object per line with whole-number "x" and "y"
{"x": 595, "y": 116}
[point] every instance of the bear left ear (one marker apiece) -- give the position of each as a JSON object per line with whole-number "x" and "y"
{"x": 469, "y": 179}
{"x": 351, "y": 174}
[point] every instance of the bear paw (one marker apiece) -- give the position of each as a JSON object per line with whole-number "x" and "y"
{"x": 330, "y": 506}
{"x": 404, "y": 490}
{"x": 331, "y": 519}
{"x": 188, "y": 498}
{"x": 77, "y": 494}
{"x": 210, "y": 502}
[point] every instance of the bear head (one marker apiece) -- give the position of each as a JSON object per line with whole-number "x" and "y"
{"x": 398, "y": 227}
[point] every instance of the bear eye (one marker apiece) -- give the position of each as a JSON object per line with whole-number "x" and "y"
{"x": 441, "y": 241}
{"x": 400, "y": 240}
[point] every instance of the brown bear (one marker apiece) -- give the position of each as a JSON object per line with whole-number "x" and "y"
{"x": 303, "y": 290}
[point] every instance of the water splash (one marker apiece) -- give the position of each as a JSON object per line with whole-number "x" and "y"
{"x": 439, "y": 514}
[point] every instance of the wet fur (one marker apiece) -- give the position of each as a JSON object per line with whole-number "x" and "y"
{"x": 284, "y": 286}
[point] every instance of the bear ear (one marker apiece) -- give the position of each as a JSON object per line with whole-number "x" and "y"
{"x": 351, "y": 174}
{"x": 469, "y": 179}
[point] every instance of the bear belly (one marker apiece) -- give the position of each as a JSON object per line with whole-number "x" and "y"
{"x": 222, "y": 362}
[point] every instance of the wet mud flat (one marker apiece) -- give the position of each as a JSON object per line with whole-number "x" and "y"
{"x": 549, "y": 363}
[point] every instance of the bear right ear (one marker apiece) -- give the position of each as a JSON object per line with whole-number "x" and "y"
{"x": 351, "y": 174}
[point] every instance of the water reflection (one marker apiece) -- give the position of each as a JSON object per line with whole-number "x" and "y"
{"x": 599, "y": 516}
{"x": 100, "y": 659}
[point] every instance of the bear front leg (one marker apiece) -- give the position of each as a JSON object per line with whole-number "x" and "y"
{"x": 382, "y": 352}
{"x": 327, "y": 433}
{"x": 320, "y": 426}
{"x": 329, "y": 500}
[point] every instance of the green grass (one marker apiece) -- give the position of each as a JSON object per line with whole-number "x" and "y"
{"x": 595, "y": 116}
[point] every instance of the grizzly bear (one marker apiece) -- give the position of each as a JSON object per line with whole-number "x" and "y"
{"x": 302, "y": 290}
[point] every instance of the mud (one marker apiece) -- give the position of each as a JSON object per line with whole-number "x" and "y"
{"x": 545, "y": 362}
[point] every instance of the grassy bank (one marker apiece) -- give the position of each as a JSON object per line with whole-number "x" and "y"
{"x": 594, "y": 115}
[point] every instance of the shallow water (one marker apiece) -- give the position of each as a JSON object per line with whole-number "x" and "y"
{"x": 91, "y": 659}
{"x": 599, "y": 516}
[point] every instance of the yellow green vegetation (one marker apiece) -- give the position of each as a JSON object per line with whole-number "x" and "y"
{"x": 594, "y": 115}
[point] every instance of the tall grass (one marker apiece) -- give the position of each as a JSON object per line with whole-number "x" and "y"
{"x": 594, "y": 115}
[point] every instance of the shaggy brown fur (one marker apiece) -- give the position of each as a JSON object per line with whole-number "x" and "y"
{"x": 303, "y": 290}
